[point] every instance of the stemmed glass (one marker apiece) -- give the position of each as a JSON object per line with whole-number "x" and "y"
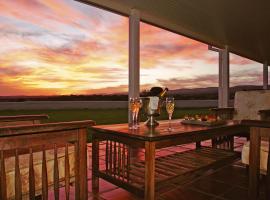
{"x": 170, "y": 109}
{"x": 139, "y": 106}
{"x": 134, "y": 106}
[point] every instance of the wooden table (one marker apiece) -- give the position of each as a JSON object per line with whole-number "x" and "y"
{"x": 143, "y": 177}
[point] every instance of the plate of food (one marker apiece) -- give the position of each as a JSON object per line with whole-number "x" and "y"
{"x": 203, "y": 120}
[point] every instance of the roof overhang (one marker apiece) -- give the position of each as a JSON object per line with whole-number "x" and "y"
{"x": 243, "y": 26}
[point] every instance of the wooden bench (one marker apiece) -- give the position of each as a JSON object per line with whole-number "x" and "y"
{"x": 28, "y": 156}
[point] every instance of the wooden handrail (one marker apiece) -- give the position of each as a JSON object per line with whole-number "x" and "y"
{"x": 23, "y": 117}
{"x": 223, "y": 109}
{"x": 40, "y": 128}
{"x": 256, "y": 123}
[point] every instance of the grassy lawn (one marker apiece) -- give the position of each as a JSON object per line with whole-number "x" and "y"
{"x": 101, "y": 116}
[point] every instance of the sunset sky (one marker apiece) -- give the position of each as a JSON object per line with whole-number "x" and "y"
{"x": 59, "y": 47}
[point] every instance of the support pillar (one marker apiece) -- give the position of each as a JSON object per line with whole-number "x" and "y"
{"x": 134, "y": 56}
{"x": 265, "y": 76}
{"x": 224, "y": 76}
{"x": 224, "y": 79}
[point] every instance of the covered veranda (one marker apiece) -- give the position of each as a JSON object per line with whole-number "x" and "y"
{"x": 226, "y": 29}
{"x": 237, "y": 27}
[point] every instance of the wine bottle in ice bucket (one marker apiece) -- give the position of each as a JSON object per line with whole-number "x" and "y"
{"x": 152, "y": 104}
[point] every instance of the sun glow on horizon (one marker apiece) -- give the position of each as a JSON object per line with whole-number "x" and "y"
{"x": 73, "y": 48}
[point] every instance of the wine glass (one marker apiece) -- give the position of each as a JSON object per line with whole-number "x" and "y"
{"x": 170, "y": 109}
{"x": 134, "y": 107}
{"x": 138, "y": 107}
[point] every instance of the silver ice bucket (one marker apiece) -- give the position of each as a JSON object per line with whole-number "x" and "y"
{"x": 150, "y": 111}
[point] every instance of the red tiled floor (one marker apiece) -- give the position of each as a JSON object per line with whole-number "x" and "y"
{"x": 176, "y": 149}
{"x": 160, "y": 153}
{"x": 119, "y": 194}
{"x": 189, "y": 146}
{"x": 104, "y": 186}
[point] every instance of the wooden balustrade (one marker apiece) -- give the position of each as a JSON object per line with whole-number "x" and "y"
{"x": 29, "y": 140}
{"x": 117, "y": 159}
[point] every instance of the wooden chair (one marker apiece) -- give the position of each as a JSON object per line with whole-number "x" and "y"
{"x": 37, "y": 158}
{"x": 248, "y": 105}
{"x": 256, "y": 155}
{"x": 22, "y": 120}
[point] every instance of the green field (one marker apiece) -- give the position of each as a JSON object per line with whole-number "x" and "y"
{"x": 101, "y": 116}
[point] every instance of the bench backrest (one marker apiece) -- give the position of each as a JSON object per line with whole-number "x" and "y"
{"x": 248, "y": 103}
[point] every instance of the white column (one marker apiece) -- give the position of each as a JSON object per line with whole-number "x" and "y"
{"x": 134, "y": 55}
{"x": 265, "y": 76}
{"x": 224, "y": 78}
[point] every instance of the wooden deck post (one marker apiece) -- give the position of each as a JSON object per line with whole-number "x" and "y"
{"x": 150, "y": 149}
{"x": 95, "y": 166}
{"x": 82, "y": 158}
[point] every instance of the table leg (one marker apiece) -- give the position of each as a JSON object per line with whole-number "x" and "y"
{"x": 150, "y": 150}
{"x": 95, "y": 166}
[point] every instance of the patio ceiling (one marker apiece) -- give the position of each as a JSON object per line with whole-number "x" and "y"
{"x": 244, "y": 26}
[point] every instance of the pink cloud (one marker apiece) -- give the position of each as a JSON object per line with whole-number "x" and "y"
{"x": 34, "y": 31}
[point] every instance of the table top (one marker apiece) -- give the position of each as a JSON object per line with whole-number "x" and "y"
{"x": 160, "y": 132}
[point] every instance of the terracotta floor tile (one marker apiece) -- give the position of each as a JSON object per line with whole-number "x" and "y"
{"x": 163, "y": 153}
{"x": 119, "y": 194}
{"x": 177, "y": 149}
{"x": 189, "y": 146}
{"x": 104, "y": 186}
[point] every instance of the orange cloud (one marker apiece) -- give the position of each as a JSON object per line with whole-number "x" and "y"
{"x": 65, "y": 47}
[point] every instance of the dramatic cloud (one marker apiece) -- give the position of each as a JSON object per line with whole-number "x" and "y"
{"x": 53, "y": 47}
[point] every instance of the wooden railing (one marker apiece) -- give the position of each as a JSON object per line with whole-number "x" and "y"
{"x": 28, "y": 140}
{"x": 21, "y": 120}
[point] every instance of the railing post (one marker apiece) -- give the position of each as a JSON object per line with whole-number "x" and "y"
{"x": 82, "y": 153}
{"x": 95, "y": 165}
